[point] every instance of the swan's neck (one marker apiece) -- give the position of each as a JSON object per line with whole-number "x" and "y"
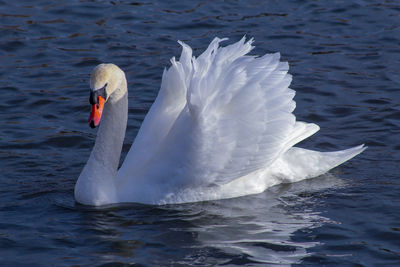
{"x": 111, "y": 134}
{"x": 96, "y": 183}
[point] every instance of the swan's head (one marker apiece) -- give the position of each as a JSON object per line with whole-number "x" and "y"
{"x": 105, "y": 80}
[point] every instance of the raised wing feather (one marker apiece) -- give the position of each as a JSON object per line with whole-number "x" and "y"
{"x": 243, "y": 110}
{"x": 166, "y": 108}
{"x": 217, "y": 118}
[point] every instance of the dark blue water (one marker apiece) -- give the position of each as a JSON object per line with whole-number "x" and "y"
{"x": 345, "y": 58}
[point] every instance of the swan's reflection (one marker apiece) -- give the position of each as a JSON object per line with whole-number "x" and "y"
{"x": 247, "y": 230}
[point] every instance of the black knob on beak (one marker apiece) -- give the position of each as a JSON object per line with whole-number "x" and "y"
{"x": 93, "y": 98}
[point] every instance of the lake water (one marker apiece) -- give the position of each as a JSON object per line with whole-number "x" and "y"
{"x": 345, "y": 60}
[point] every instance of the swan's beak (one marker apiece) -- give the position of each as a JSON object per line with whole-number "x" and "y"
{"x": 95, "y": 113}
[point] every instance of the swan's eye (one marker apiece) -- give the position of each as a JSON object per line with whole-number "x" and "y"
{"x": 96, "y": 93}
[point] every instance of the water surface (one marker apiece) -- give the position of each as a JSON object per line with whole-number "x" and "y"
{"x": 345, "y": 59}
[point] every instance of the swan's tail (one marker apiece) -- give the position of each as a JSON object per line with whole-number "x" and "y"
{"x": 298, "y": 164}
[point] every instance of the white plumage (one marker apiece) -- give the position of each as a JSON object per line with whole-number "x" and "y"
{"x": 221, "y": 126}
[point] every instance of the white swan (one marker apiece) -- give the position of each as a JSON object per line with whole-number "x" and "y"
{"x": 221, "y": 127}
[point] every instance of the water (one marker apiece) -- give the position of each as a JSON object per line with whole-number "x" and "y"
{"x": 345, "y": 58}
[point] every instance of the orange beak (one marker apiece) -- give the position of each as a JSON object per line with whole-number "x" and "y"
{"x": 95, "y": 113}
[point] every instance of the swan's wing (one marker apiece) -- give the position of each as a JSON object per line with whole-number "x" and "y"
{"x": 169, "y": 103}
{"x": 238, "y": 117}
{"x": 243, "y": 108}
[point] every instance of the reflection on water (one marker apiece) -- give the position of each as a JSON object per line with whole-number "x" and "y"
{"x": 248, "y": 230}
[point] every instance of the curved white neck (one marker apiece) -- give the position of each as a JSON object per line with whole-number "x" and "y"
{"x": 111, "y": 134}
{"x": 96, "y": 183}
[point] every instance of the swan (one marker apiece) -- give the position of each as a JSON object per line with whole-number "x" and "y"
{"x": 221, "y": 127}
